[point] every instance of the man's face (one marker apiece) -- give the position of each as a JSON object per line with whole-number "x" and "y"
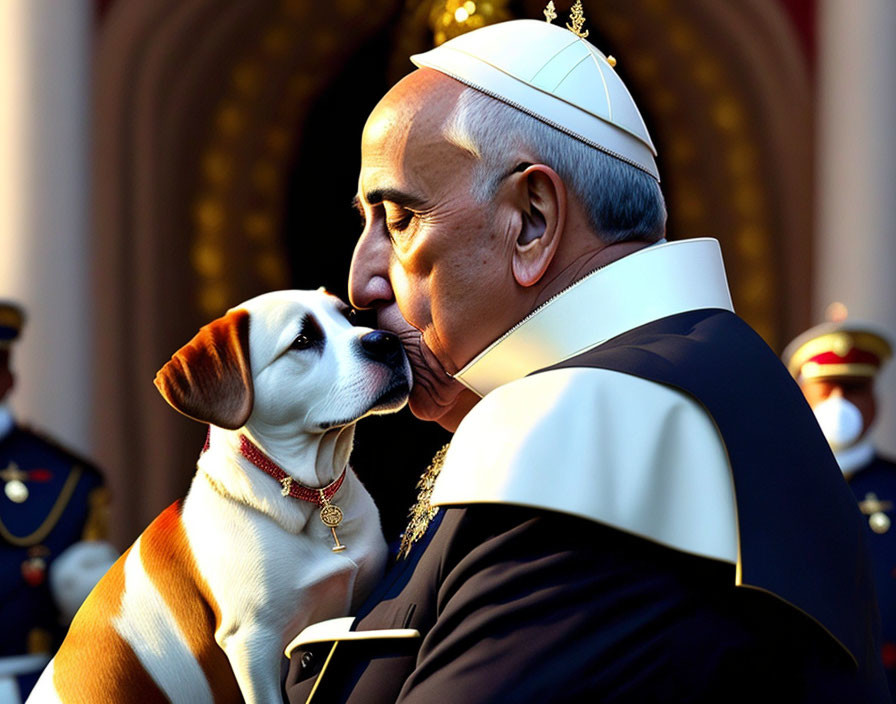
{"x": 858, "y": 391}
{"x": 432, "y": 260}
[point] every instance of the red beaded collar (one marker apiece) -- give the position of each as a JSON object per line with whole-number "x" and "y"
{"x": 319, "y": 497}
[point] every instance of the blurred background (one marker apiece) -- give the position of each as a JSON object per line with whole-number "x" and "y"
{"x": 162, "y": 160}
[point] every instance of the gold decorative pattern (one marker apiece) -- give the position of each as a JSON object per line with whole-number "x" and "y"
{"x": 422, "y": 512}
{"x": 238, "y": 206}
{"x": 550, "y": 12}
{"x": 577, "y": 17}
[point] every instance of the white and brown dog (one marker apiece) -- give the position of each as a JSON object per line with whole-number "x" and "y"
{"x": 200, "y": 606}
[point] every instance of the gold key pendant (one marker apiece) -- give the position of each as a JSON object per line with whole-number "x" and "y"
{"x": 331, "y": 516}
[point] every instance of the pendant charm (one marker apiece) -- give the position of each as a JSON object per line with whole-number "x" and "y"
{"x": 16, "y": 491}
{"x": 331, "y": 516}
{"x": 287, "y": 485}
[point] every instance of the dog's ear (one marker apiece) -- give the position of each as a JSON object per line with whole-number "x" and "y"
{"x": 209, "y": 379}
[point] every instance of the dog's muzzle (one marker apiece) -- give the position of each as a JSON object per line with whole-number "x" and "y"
{"x": 385, "y": 348}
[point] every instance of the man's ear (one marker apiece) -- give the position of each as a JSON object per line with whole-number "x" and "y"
{"x": 543, "y": 211}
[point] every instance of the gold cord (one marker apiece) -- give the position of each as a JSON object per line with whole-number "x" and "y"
{"x": 43, "y": 530}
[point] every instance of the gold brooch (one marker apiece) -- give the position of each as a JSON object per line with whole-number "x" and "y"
{"x": 422, "y": 512}
{"x": 876, "y": 509}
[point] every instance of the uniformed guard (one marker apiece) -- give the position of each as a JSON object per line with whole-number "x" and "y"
{"x": 835, "y": 364}
{"x": 52, "y": 525}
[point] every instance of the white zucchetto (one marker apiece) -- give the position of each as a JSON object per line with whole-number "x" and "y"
{"x": 553, "y": 75}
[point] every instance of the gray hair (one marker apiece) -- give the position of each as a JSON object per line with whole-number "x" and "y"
{"x": 622, "y": 201}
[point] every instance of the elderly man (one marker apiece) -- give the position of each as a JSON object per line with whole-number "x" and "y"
{"x": 629, "y": 456}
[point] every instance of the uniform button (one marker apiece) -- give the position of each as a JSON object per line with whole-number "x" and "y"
{"x": 307, "y": 659}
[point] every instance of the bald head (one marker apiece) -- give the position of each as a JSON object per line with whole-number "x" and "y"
{"x": 422, "y": 99}
{"x": 408, "y": 123}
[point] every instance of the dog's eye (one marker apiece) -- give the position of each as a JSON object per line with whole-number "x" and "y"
{"x": 310, "y": 335}
{"x": 302, "y": 342}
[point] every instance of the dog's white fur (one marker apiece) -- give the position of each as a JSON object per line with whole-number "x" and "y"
{"x": 267, "y": 559}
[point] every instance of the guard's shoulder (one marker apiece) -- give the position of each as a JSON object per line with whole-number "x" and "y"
{"x": 884, "y": 464}
{"x": 47, "y": 449}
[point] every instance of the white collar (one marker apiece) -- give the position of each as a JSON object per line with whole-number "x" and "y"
{"x": 855, "y": 457}
{"x": 653, "y": 283}
{"x": 6, "y": 421}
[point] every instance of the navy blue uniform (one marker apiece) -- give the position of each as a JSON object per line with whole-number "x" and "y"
{"x": 878, "y": 477}
{"x": 61, "y": 488}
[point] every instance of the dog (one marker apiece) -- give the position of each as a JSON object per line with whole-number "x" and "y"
{"x": 200, "y": 606}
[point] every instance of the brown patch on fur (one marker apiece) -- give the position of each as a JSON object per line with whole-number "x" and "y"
{"x": 209, "y": 379}
{"x": 169, "y": 562}
{"x": 94, "y": 663}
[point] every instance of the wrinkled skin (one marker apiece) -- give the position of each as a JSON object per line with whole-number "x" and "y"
{"x": 429, "y": 259}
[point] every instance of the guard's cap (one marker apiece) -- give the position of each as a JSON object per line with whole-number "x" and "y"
{"x": 553, "y": 75}
{"x": 12, "y": 318}
{"x": 838, "y": 349}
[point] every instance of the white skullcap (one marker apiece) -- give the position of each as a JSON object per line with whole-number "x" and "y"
{"x": 553, "y": 75}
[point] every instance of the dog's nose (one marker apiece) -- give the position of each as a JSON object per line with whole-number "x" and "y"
{"x": 382, "y": 346}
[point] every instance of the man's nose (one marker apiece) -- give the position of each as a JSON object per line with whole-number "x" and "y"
{"x": 368, "y": 276}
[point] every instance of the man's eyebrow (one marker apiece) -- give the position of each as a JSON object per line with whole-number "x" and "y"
{"x": 393, "y": 195}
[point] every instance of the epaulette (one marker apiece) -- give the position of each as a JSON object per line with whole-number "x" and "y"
{"x": 52, "y": 444}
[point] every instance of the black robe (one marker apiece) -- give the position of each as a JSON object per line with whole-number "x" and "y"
{"x": 878, "y": 477}
{"x": 517, "y": 604}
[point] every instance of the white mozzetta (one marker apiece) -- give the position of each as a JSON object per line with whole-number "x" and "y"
{"x": 610, "y": 447}
{"x": 553, "y": 75}
{"x": 653, "y": 283}
{"x": 607, "y": 446}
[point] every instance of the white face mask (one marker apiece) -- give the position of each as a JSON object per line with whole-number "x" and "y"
{"x": 840, "y": 421}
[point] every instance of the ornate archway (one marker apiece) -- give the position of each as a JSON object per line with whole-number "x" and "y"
{"x": 225, "y": 157}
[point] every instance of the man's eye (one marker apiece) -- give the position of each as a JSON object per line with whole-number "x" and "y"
{"x": 398, "y": 219}
{"x": 400, "y": 224}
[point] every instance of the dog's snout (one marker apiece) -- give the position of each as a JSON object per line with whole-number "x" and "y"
{"x": 382, "y": 346}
